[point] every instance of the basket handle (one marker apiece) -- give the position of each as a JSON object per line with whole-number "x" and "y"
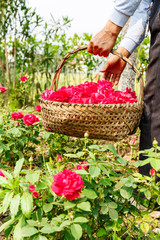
{"x": 59, "y": 68}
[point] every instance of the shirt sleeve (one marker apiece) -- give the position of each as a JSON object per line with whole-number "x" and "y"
{"x": 137, "y": 26}
{"x": 122, "y": 10}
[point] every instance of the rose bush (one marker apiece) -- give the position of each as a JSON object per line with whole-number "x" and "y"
{"x": 101, "y": 92}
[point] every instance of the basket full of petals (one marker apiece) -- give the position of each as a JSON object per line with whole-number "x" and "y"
{"x": 92, "y": 107}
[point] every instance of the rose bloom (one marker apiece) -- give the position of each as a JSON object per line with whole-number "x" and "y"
{"x": 2, "y": 174}
{"x": 17, "y": 115}
{"x": 23, "y": 78}
{"x": 29, "y": 119}
{"x": 153, "y": 172}
{"x": 17, "y": 124}
{"x": 2, "y": 89}
{"x": 67, "y": 183}
{"x": 38, "y": 108}
{"x": 35, "y": 194}
{"x": 31, "y": 188}
{"x": 132, "y": 142}
{"x": 59, "y": 158}
{"x": 82, "y": 165}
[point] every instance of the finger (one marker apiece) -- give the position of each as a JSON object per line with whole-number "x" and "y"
{"x": 117, "y": 78}
{"x": 108, "y": 76}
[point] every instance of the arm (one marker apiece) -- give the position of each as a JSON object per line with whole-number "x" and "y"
{"x": 102, "y": 43}
{"x": 135, "y": 34}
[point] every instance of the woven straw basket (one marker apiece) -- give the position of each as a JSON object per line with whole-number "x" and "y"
{"x": 101, "y": 121}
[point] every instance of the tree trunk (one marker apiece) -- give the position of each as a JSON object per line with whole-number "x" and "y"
{"x": 128, "y": 76}
{"x": 6, "y": 61}
{"x": 15, "y": 53}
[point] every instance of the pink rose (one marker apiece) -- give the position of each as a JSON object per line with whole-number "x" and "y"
{"x": 29, "y": 119}
{"x": 23, "y": 78}
{"x": 31, "y": 188}
{"x": 38, "y": 108}
{"x": 2, "y": 174}
{"x": 153, "y": 172}
{"x": 67, "y": 183}
{"x": 17, "y": 115}
{"x": 2, "y": 89}
{"x": 59, "y": 158}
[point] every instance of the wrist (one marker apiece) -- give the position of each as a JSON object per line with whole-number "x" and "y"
{"x": 112, "y": 29}
{"x": 123, "y": 51}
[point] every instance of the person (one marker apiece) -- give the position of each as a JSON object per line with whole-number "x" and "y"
{"x": 139, "y": 11}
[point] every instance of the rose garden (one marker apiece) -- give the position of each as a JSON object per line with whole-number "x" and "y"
{"x": 54, "y": 186}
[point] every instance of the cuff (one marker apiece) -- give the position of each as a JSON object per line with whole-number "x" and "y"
{"x": 128, "y": 44}
{"x": 118, "y": 18}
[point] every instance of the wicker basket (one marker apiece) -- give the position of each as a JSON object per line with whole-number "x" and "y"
{"x": 102, "y": 121}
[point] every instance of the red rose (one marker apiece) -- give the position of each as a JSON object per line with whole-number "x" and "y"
{"x": 132, "y": 142}
{"x": 17, "y": 115}
{"x": 35, "y": 194}
{"x": 29, "y": 119}
{"x": 23, "y": 78}
{"x": 83, "y": 165}
{"x": 67, "y": 183}
{"x": 101, "y": 92}
{"x": 38, "y": 108}
{"x": 59, "y": 158}
{"x": 2, "y": 174}
{"x": 31, "y": 188}
{"x": 2, "y": 89}
{"x": 153, "y": 172}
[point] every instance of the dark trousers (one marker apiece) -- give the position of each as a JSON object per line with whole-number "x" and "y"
{"x": 150, "y": 122}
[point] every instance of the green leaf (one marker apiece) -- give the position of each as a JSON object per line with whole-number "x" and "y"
{"x": 126, "y": 192}
{"x": 18, "y": 167}
{"x": 14, "y": 206}
{"x": 94, "y": 171}
{"x": 48, "y": 229}
{"x": 101, "y": 232}
{"x": 86, "y": 206}
{"x": 47, "y": 207}
{"x": 76, "y": 155}
{"x": 14, "y": 131}
{"x": 40, "y": 237}
{"x": 28, "y": 231}
{"x": 155, "y": 163}
{"x": 105, "y": 182}
{"x": 113, "y": 214}
{"x": 112, "y": 205}
{"x": 6, "y": 224}
{"x": 6, "y": 201}
{"x": 89, "y": 193}
{"x": 3, "y": 181}
{"x": 32, "y": 177}
{"x": 68, "y": 205}
{"x": 65, "y": 223}
{"x": 121, "y": 160}
{"x": 80, "y": 220}
{"x": 27, "y": 204}
{"x": 17, "y": 232}
{"x": 76, "y": 231}
{"x": 81, "y": 172}
{"x": 144, "y": 227}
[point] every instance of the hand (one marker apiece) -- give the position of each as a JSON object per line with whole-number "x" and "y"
{"x": 102, "y": 43}
{"x": 114, "y": 66}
